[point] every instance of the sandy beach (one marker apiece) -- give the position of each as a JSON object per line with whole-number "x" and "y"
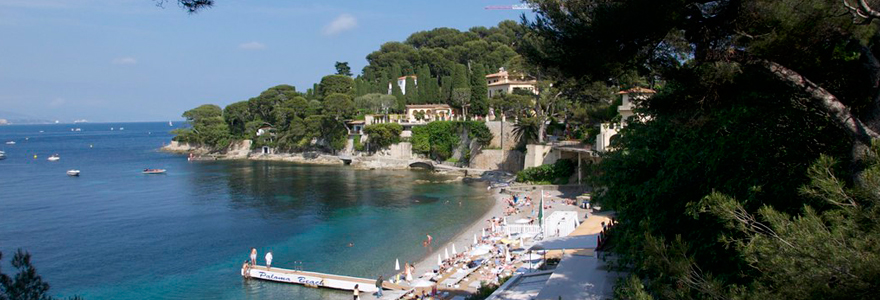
{"x": 465, "y": 238}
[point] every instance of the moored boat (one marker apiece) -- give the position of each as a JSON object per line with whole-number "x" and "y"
{"x": 73, "y": 172}
{"x": 54, "y": 157}
{"x": 154, "y": 171}
{"x": 2, "y": 155}
{"x": 10, "y": 143}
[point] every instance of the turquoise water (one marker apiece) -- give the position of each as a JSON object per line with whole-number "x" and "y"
{"x": 114, "y": 233}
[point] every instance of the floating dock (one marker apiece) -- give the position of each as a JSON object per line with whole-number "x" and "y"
{"x": 314, "y": 279}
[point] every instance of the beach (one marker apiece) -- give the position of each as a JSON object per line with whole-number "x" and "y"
{"x": 465, "y": 238}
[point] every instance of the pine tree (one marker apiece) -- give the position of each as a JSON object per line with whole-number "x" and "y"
{"x": 479, "y": 92}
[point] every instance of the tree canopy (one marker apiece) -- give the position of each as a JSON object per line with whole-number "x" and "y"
{"x": 750, "y": 94}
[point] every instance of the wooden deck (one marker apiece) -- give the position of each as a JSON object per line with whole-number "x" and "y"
{"x": 315, "y": 279}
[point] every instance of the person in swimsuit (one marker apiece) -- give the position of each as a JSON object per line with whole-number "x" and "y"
{"x": 253, "y": 256}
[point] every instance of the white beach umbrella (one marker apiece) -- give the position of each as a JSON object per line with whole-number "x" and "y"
{"x": 493, "y": 226}
{"x": 439, "y": 260}
{"x": 522, "y": 243}
{"x": 397, "y": 264}
{"x": 484, "y": 232}
{"x": 453, "y": 248}
{"x": 446, "y": 252}
{"x": 506, "y": 255}
{"x": 475, "y": 238}
{"x": 505, "y": 220}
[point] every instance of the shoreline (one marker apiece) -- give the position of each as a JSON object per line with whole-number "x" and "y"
{"x": 463, "y": 238}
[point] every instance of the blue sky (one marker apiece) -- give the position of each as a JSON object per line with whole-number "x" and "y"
{"x": 128, "y": 60}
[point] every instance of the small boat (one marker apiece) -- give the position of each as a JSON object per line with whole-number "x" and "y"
{"x": 121, "y": 128}
{"x": 154, "y": 171}
{"x": 169, "y": 123}
{"x": 10, "y": 143}
{"x": 73, "y": 172}
{"x": 2, "y": 155}
{"x": 54, "y": 157}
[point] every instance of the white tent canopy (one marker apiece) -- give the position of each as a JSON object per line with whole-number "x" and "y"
{"x": 568, "y": 242}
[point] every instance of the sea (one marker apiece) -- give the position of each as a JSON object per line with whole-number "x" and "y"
{"x": 115, "y": 233}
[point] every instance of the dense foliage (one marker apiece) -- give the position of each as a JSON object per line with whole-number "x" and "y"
{"x": 293, "y": 123}
{"x": 26, "y": 284}
{"x": 557, "y": 173}
{"x": 443, "y": 59}
{"x": 439, "y": 139}
{"x": 383, "y": 135}
{"x": 753, "y": 93}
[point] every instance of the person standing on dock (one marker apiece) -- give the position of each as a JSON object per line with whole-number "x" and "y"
{"x": 268, "y": 260}
{"x": 379, "y": 286}
{"x": 253, "y": 256}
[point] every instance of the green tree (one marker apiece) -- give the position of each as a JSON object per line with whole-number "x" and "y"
{"x": 383, "y": 135}
{"x": 398, "y": 94}
{"x": 338, "y": 106}
{"x": 332, "y": 84}
{"x": 26, "y": 284}
{"x": 461, "y": 98}
{"x": 291, "y": 109}
{"x": 460, "y": 77}
{"x": 342, "y": 68}
{"x": 375, "y": 103}
{"x": 425, "y": 94}
{"x": 526, "y": 130}
{"x": 412, "y": 92}
{"x": 479, "y": 92}
{"x": 236, "y": 116}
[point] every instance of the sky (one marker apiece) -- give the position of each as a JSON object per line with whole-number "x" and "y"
{"x": 129, "y": 60}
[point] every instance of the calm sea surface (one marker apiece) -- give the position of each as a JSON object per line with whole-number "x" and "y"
{"x": 114, "y": 233}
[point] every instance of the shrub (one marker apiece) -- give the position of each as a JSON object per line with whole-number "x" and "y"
{"x": 555, "y": 173}
{"x": 383, "y": 135}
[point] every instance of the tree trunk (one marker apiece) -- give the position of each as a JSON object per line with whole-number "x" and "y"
{"x": 862, "y": 130}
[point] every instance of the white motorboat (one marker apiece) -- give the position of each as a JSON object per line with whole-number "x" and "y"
{"x": 10, "y": 143}
{"x": 2, "y": 155}
{"x": 154, "y": 171}
{"x": 54, "y": 157}
{"x": 73, "y": 172}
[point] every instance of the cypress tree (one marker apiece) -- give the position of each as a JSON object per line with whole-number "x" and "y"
{"x": 479, "y": 92}
{"x": 397, "y": 93}
{"x": 445, "y": 89}
{"x": 460, "y": 77}
{"x": 412, "y": 92}
{"x": 424, "y": 84}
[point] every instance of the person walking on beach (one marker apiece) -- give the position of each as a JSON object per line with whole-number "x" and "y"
{"x": 429, "y": 238}
{"x": 357, "y": 293}
{"x": 379, "y": 286}
{"x": 253, "y": 256}
{"x": 268, "y": 260}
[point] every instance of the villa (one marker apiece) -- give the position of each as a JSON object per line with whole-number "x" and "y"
{"x": 503, "y": 82}
{"x": 401, "y": 82}
{"x": 609, "y": 130}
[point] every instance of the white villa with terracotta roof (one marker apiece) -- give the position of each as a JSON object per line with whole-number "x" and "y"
{"x": 503, "y": 82}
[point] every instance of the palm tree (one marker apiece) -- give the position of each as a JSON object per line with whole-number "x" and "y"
{"x": 526, "y": 130}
